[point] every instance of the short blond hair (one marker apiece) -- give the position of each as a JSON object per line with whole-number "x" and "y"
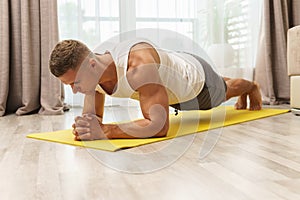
{"x": 67, "y": 54}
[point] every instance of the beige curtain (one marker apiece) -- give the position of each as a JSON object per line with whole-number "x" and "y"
{"x": 29, "y": 30}
{"x": 271, "y": 67}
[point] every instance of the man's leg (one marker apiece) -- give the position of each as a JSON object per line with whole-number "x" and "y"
{"x": 243, "y": 88}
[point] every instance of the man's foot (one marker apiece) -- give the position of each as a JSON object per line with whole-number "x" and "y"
{"x": 243, "y": 88}
{"x": 255, "y": 97}
{"x": 241, "y": 102}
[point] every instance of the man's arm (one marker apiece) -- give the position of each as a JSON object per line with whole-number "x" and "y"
{"x": 154, "y": 105}
{"x": 144, "y": 78}
{"x": 94, "y": 104}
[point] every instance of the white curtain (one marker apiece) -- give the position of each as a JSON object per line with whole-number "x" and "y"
{"x": 226, "y": 29}
{"x": 229, "y": 31}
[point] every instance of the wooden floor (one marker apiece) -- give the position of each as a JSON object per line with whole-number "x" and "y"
{"x": 253, "y": 160}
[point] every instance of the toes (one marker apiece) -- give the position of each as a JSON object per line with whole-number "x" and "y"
{"x": 255, "y": 107}
{"x": 241, "y": 102}
{"x": 255, "y": 98}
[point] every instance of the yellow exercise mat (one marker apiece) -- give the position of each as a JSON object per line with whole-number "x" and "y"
{"x": 186, "y": 122}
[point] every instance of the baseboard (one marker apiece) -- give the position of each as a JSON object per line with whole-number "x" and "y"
{"x": 296, "y": 111}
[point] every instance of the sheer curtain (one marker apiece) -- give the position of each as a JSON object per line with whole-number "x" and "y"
{"x": 226, "y": 29}
{"x": 229, "y": 32}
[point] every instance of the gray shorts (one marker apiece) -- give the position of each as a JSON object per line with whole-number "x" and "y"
{"x": 212, "y": 94}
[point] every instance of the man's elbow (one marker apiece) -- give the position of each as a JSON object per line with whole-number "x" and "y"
{"x": 163, "y": 132}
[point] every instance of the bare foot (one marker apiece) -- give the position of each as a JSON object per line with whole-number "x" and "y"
{"x": 255, "y": 98}
{"x": 241, "y": 102}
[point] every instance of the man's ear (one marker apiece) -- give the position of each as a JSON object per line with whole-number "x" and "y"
{"x": 92, "y": 62}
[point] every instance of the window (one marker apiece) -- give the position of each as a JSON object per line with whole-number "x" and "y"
{"x": 207, "y": 22}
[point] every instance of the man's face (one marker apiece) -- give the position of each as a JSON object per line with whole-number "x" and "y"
{"x": 83, "y": 79}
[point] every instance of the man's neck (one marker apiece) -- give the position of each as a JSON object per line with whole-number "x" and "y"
{"x": 108, "y": 67}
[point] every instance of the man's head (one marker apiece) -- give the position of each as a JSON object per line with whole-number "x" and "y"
{"x": 74, "y": 64}
{"x": 67, "y": 54}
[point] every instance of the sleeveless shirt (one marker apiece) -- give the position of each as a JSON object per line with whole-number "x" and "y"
{"x": 181, "y": 74}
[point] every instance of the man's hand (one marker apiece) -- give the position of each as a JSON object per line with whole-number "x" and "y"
{"x": 88, "y": 127}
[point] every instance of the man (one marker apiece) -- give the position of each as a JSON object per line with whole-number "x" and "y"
{"x": 139, "y": 70}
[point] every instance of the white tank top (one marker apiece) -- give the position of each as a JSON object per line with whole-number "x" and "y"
{"x": 181, "y": 73}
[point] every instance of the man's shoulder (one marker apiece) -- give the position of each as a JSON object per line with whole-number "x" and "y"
{"x": 142, "y": 53}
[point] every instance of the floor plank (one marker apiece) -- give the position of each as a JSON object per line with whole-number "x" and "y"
{"x": 254, "y": 160}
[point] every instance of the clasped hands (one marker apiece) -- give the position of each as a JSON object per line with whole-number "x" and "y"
{"x": 88, "y": 127}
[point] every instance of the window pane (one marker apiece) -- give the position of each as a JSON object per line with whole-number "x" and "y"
{"x": 108, "y": 29}
{"x": 109, "y": 8}
{"x": 91, "y": 21}
{"x": 167, "y": 8}
{"x": 88, "y": 7}
{"x": 184, "y": 28}
{"x": 185, "y": 9}
{"x": 175, "y": 15}
{"x": 146, "y": 8}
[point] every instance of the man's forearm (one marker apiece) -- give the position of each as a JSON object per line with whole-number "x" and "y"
{"x": 138, "y": 129}
{"x": 94, "y": 104}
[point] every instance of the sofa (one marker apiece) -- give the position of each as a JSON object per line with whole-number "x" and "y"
{"x": 293, "y": 58}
